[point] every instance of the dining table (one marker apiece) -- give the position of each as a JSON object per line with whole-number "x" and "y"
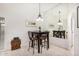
{"x": 39, "y": 33}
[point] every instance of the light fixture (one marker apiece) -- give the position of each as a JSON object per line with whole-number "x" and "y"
{"x": 60, "y": 24}
{"x": 39, "y": 15}
{"x": 59, "y": 21}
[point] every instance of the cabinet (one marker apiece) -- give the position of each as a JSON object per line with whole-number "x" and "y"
{"x": 59, "y": 34}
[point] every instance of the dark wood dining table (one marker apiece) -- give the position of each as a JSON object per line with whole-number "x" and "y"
{"x": 39, "y": 40}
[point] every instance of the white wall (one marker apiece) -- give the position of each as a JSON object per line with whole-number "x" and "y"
{"x": 16, "y": 15}
{"x": 52, "y": 16}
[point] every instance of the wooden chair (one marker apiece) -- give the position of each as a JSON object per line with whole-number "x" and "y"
{"x": 33, "y": 40}
{"x": 43, "y": 41}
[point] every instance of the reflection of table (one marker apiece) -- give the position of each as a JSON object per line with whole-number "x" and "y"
{"x": 39, "y": 40}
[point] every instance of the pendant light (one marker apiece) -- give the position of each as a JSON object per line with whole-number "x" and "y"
{"x": 59, "y": 21}
{"x": 39, "y": 15}
{"x": 60, "y": 24}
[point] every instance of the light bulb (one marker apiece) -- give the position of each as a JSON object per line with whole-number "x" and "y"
{"x": 39, "y": 19}
{"x": 60, "y": 23}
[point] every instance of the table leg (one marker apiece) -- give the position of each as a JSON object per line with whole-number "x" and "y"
{"x": 47, "y": 40}
{"x": 32, "y": 44}
{"x": 38, "y": 45}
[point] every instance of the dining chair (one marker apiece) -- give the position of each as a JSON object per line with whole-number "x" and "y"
{"x": 32, "y": 41}
{"x": 43, "y": 40}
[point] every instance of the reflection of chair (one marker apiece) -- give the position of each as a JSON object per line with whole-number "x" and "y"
{"x": 15, "y": 43}
{"x": 33, "y": 40}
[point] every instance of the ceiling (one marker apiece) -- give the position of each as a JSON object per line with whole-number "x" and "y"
{"x": 27, "y": 10}
{"x": 35, "y": 6}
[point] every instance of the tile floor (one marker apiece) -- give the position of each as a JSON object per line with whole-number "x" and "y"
{"x": 52, "y": 51}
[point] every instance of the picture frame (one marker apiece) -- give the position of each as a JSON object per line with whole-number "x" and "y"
{"x": 30, "y": 24}
{"x": 77, "y": 16}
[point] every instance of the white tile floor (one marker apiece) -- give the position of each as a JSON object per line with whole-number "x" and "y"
{"x": 52, "y": 51}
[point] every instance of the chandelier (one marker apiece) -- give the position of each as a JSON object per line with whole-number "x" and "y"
{"x": 39, "y": 18}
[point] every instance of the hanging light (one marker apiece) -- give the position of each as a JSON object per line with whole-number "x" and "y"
{"x": 60, "y": 24}
{"x": 59, "y": 21}
{"x": 39, "y": 15}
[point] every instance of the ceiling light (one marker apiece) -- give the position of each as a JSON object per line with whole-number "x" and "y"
{"x": 39, "y": 15}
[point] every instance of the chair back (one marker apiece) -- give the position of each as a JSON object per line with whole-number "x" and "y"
{"x": 30, "y": 35}
{"x": 43, "y": 35}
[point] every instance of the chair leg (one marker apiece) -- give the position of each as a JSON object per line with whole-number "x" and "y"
{"x": 33, "y": 50}
{"x": 33, "y": 47}
{"x": 41, "y": 48}
{"x": 44, "y": 43}
{"x": 29, "y": 46}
